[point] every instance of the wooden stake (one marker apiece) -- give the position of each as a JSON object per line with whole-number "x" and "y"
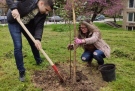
{"x": 74, "y": 22}
{"x": 70, "y": 44}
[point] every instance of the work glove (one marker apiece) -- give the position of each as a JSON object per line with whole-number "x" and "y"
{"x": 70, "y": 47}
{"x": 78, "y": 41}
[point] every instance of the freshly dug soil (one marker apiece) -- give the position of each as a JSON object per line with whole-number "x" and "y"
{"x": 87, "y": 78}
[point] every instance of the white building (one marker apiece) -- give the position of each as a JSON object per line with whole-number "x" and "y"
{"x": 129, "y": 15}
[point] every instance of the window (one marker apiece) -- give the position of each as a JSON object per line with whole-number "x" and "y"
{"x": 130, "y": 28}
{"x": 133, "y": 28}
{"x": 0, "y": 11}
{"x": 131, "y": 17}
{"x": 131, "y": 4}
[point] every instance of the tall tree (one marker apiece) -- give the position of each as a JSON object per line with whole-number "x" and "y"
{"x": 95, "y": 7}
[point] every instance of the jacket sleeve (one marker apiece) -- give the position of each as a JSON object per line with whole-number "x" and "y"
{"x": 39, "y": 27}
{"x": 93, "y": 38}
{"x": 11, "y": 4}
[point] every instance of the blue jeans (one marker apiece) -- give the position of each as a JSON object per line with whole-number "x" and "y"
{"x": 15, "y": 31}
{"x": 97, "y": 55}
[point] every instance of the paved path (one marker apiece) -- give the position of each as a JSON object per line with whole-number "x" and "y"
{"x": 46, "y": 23}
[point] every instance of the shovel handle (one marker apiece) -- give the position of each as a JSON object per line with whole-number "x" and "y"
{"x": 47, "y": 57}
{"x": 26, "y": 30}
{"x": 33, "y": 39}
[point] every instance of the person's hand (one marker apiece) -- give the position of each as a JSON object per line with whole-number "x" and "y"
{"x": 38, "y": 44}
{"x": 78, "y": 41}
{"x": 70, "y": 47}
{"x": 15, "y": 13}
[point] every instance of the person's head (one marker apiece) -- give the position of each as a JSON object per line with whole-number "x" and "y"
{"x": 45, "y": 6}
{"x": 86, "y": 28}
{"x": 83, "y": 28}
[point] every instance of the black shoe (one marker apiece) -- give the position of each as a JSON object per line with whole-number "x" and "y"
{"x": 22, "y": 76}
{"x": 98, "y": 67}
{"x": 89, "y": 63}
{"x": 39, "y": 62}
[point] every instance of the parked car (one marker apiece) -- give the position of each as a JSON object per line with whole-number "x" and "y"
{"x": 55, "y": 18}
{"x": 3, "y": 19}
{"x": 81, "y": 18}
{"x": 100, "y": 17}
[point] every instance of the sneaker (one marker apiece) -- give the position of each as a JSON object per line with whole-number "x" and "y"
{"x": 22, "y": 76}
{"x": 38, "y": 63}
{"x": 98, "y": 67}
{"x": 89, "y": 63}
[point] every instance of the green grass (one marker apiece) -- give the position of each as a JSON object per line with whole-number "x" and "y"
{"x": 54, "y": 42}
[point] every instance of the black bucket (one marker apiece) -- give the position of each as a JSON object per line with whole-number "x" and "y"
{"x": 108, "y": 72}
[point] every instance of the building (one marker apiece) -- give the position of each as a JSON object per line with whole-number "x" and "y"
{"x": 129, "y": 15}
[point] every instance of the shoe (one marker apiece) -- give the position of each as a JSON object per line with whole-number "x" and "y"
{"x": 22, "y": 76}
{"x": 38, "y": 63}
{"x": 98, "y": 67}
{"x": 89, "y": 63}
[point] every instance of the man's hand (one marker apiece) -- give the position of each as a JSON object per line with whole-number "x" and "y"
{"x": 38, "y": 44}
{"x": 15, "y": 13}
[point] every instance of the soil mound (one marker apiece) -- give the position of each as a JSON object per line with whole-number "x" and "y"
{"x": 88, "y": 78}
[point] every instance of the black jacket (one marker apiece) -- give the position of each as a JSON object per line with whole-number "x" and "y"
{"x": 24, "y": 7}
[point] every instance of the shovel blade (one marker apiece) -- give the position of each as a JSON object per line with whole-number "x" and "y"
{"x": 58, "y": 74}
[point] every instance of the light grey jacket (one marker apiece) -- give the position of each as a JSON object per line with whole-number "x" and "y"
{"x": 94, "y": 38}
{"x": 98, "y": 43}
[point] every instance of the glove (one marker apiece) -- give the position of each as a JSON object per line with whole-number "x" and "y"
{"x": 70, "y": 47}
{"x": 78, "y": 41}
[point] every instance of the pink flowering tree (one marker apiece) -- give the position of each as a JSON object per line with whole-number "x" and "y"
{"x": 115, "y": 10}
{"x": 94, "y": 7}
{"x": 78, "y": 5}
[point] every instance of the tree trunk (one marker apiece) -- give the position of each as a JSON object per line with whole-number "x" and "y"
{"x": 114, "y": 19}
{"x": 93, "y": 17}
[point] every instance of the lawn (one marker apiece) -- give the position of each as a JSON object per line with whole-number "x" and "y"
{"x": 54, "y": 41}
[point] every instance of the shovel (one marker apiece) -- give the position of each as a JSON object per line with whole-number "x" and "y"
{"x": 46, "y": 56}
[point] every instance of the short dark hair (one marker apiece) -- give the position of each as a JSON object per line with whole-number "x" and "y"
{"x": 49, "y": 3}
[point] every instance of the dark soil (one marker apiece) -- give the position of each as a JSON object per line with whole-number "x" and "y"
{"x": 87, "y": 78}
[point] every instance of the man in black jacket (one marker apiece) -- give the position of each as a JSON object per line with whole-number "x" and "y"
{"x": 33, "y": 14}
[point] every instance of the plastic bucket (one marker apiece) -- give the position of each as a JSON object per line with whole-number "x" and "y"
{"x": 108, "y": 72}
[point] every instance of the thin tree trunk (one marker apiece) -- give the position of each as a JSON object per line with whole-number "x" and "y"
{"x": 114, "y": 19}
{"x": 74, "y": 22}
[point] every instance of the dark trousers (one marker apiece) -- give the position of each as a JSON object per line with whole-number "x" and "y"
{"x": 15, "y": 31}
